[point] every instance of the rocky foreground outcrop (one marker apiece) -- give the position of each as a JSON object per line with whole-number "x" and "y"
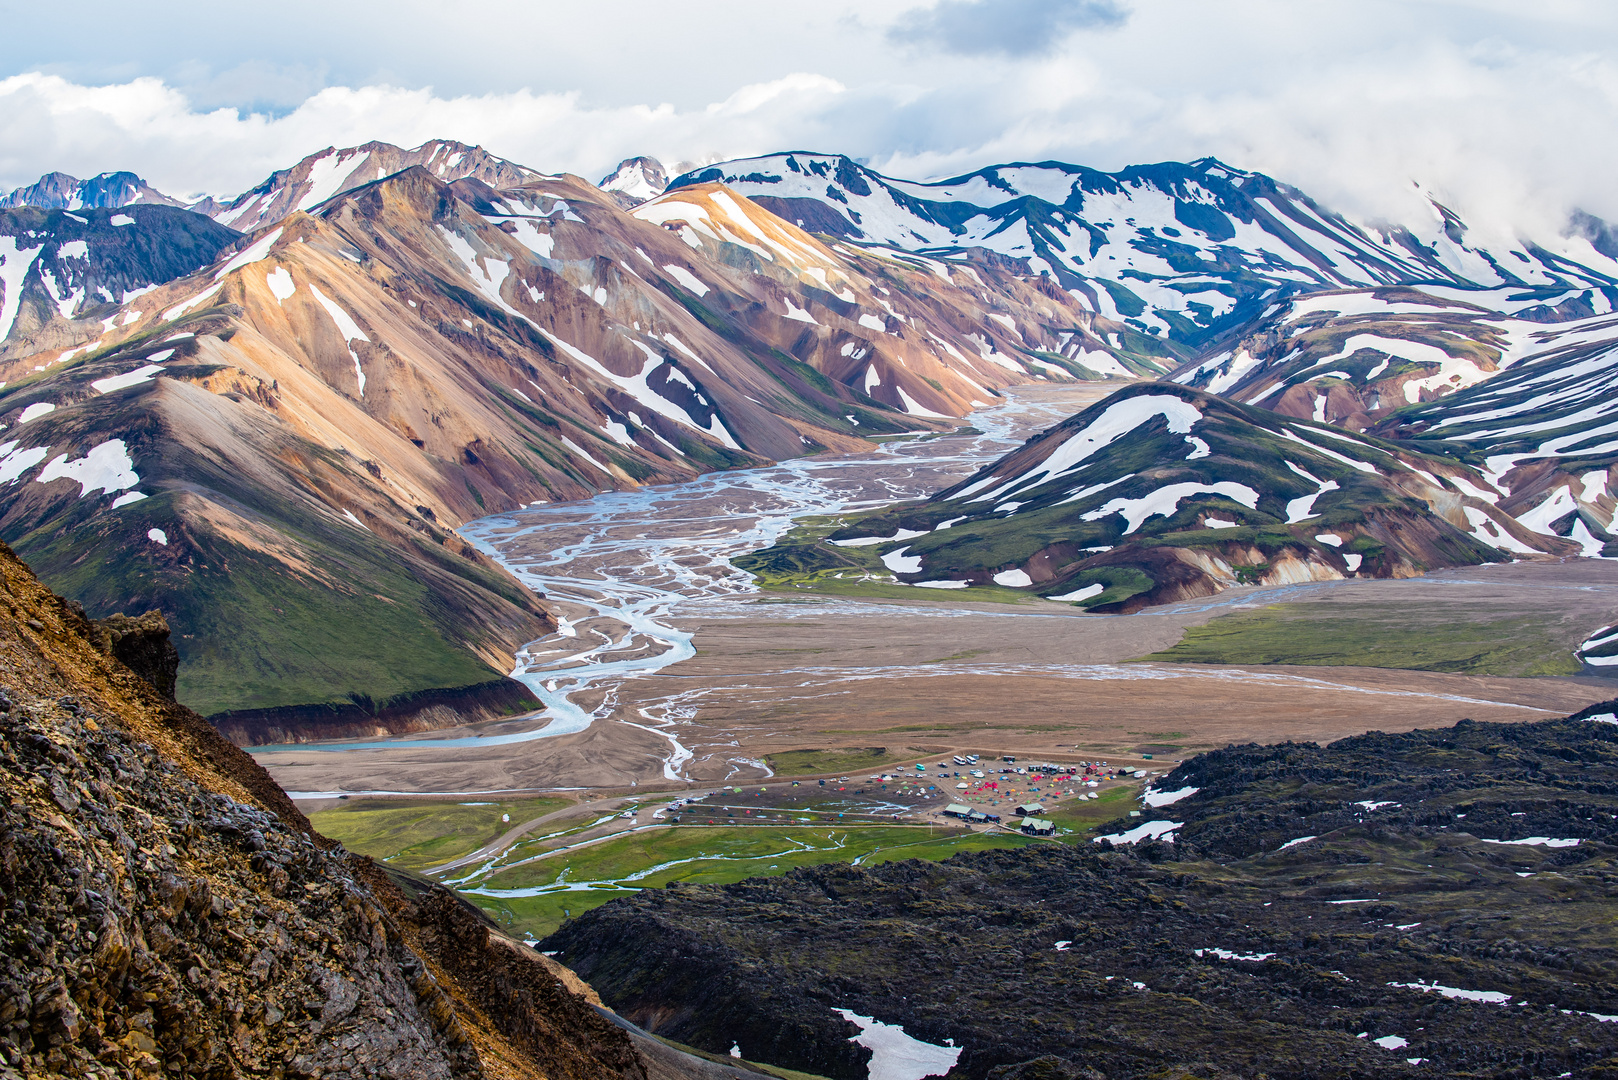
{"x": 166, "y": 910}
{"x": 1436, "y": 903}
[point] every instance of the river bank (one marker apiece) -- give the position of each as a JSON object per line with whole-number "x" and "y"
{"x": 671, "y": 667}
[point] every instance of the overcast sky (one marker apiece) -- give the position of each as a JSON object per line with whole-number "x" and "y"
{"x": 1505, "y": 108}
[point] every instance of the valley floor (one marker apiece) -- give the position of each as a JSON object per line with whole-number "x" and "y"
{"x": 930, "y": 677}
{"x": 674, "y": 676}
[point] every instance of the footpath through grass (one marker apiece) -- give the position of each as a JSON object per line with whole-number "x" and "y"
{"x": 851, "y": 759}
{"x": 1083, "y": 815}
{"x": 567, "y": 884}
{"x": 419, "y": 834}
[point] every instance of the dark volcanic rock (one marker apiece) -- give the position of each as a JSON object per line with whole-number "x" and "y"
{"x": 1226, "y": 952}
{"x": 142, "y": 644}
{"x": 165, "y": 909}
{"x": 154, "y": 924}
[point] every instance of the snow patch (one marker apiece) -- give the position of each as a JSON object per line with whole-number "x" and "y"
{"x": 1227, "y": 954}
{"x": 130, "y": 378}
{"x": 259, "y": 249}
{"x": 798, "y": 314}
{"x": 1080, "y": 594}
{"x": 869, "y": 541}
{"x": 1166, "y": 500}
{"x": 281, "y": 284}
{"x": 900, "y": 563}
{"x": 1152, "y": 830}
{"x": 914, "y": 408}
{"x": 691, "y": 282}
{"x": 1488, "y": 997}
{"x": 897, "y": 1056}
{"x": 181, "y": 308}
{"x": 348, "y": 328}
{"x": 106, "y": 468}
{"x": 14, "y": 265}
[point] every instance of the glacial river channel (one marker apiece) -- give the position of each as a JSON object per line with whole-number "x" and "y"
{"x": 629, "y": 574}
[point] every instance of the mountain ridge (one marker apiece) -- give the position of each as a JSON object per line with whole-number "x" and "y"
{"x": 1167, "y": 226}
{"x": 1159, "y": 493}
{"x": 416, "y": 348}
{"x": 300, "y": 426}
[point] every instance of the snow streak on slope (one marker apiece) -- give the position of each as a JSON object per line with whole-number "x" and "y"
{"x": 1546, "y": 431}
{"x": 1351, "y": 358}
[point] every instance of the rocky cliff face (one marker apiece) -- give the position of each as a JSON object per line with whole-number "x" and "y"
{"x": 167, "y": 911}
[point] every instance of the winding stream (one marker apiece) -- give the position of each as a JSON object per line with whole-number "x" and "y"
{"x": 617, "y": 567}
{"x": 624, "y": 570}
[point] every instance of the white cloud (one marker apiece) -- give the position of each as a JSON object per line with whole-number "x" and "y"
{"x": 1501, "y": 110}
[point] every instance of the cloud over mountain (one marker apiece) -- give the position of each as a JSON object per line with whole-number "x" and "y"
{"x": 1494, "y": 108}
{"x": 1009, "y": 27}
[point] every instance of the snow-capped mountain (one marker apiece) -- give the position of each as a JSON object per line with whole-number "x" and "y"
{"x": 63, "y": 271}
{"x": 1180, "y": 252}
{"x": 636, "y": 180}
{"x": 332, "y": 171}
{"x": 1353, "y": 357}
{"x": 1545, "y": 432}
{"x": 59, "y": 191}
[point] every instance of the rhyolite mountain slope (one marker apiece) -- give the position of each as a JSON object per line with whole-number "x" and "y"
{"x": 59, "y": 191}
{"x": 1428, "y": 904}
{"x": 1160, "y": 492}
{"x": 1187, "y": 252}
{"x": 64, "y": 273}
{"x": 1545, "y": 433}
{"x": 332, "y": 171}
{"x": 171, "y": 913}
{"x": 927, "y": 338}
{"x": 1351, "y": 358}
{"x": 283, "y": 441}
